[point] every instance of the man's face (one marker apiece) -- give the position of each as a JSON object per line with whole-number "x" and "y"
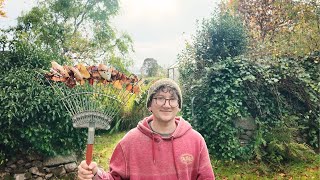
{"x": 165, "y": 105}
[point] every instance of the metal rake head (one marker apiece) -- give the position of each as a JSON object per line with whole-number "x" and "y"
{"x": 93, "y": 96}
{"x": 97, "y": 103}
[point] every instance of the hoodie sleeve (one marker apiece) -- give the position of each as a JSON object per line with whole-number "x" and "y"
{"x": 118, "y": 167}
{"x": 205, "y": 171}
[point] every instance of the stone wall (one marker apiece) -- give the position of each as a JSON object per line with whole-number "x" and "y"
{"x": 38, "y": 168}
{"x": 247, "y": 128}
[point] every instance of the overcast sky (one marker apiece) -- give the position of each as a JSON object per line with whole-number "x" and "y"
{"x": 158, "y": 28}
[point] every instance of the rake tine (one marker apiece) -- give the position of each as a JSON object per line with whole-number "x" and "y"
{"x": 61, "y": 95}
{"x": 98, "y": 103}
{"x": 117, "y": 110}
{"x": 92, "y": 106}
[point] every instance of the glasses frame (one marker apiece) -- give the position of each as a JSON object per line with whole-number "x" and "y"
{"x": 165, "y": 101}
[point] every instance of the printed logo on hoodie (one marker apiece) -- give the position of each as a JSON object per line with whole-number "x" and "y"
{"x": 186, "y": 159}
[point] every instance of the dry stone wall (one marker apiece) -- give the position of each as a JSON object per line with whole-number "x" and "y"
{"x": 247, "y": 130}
{"x": 39, "y": 168}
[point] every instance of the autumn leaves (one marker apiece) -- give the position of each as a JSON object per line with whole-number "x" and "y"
{"x": 101, "y": 74}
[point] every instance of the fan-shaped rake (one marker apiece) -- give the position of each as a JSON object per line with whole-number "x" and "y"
{"x": 92, "y": 106}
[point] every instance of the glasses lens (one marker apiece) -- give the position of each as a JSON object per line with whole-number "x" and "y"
{"x": 161, "y": 101}
{"x": 173, "y": 102}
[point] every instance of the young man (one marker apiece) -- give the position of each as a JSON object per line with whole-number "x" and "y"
{"x": 162, "y": 146}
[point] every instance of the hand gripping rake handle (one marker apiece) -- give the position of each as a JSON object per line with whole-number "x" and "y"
{"x": 90, "y": 142}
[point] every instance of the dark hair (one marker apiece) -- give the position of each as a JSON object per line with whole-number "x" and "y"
{"x": 164, "y": 88}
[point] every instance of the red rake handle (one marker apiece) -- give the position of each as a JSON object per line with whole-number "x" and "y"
{"x": 90, "y": 142}
{"x": 89, "y": 153}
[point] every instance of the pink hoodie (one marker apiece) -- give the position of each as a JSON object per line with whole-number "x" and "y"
{"x": 144, "y": 155}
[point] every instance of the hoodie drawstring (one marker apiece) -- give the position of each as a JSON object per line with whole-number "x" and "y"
{"x": 173, "y": 153}
{"x": 174, "y": 158}
{"x": 153, "y": 149}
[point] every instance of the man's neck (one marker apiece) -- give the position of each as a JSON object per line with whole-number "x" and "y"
{"x": 163, "y": 127}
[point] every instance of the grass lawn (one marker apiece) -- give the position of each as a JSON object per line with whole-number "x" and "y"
{"x": 104, "y": 145}
{"x": 250, "y": 170}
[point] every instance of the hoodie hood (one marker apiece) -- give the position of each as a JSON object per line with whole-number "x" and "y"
{"x": 182, "y": 127}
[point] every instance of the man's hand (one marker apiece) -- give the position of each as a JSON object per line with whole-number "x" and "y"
{"x": 87, "y": 172}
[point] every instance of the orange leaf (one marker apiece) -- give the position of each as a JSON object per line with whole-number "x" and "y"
{"x": 117, "y": 84}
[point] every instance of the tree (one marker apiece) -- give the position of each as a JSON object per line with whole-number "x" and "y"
{"x": 2, "y": 13}
{"x": 220, "y": 37}
{"x": 78, "y": 30}
{"x": 274, "y": 24}
{"x": 150, "y": 68}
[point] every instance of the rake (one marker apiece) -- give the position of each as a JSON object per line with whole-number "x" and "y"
{"x": 92, "y": 106}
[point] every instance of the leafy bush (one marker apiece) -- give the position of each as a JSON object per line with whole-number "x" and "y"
{"x": 219, "y": 101}
{"x": 237, "y": 88}
{"x": 31, "y": 118}
{"x": 279, "y": 145}
{"x": 281, "y": 95}
{"x": 213, "y": 82}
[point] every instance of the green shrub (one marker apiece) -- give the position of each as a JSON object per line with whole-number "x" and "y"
{"x": 221, "y": 87}
{"x": 237, "y": 88}
{"x": 279, "y": 145}
{"x": 32, "y": 119}
{"x": 219, "y": 101}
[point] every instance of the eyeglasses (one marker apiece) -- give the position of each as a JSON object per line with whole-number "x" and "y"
{"x": 162, "y": 101}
